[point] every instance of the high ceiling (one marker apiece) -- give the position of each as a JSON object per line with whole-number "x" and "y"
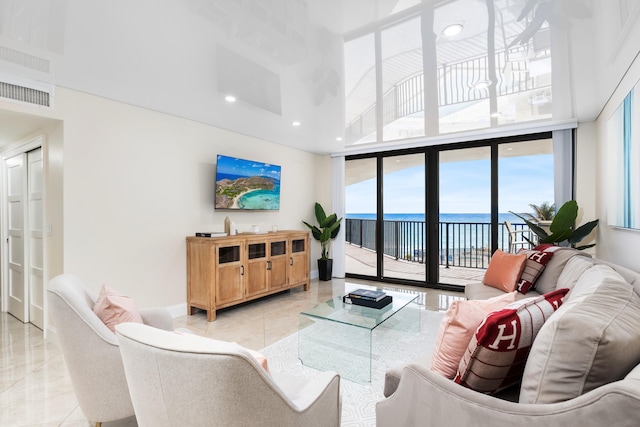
{"x": 282, "y": 58}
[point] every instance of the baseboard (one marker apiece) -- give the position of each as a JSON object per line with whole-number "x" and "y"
{"x": 178, "y": 310}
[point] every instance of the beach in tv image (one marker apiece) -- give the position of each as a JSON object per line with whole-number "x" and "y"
{"x": 246, "y": 184}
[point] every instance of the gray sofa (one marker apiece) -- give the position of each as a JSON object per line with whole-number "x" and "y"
{"x": 583, "y": 368}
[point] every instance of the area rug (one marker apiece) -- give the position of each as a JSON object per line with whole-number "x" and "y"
{"x": 391, "y": 346}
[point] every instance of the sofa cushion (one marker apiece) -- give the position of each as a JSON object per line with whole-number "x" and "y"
{"x": 504, "y": 270}
{"x": 592, "y": 340}
{"x": 112, "y": 308}
{"x": 478, "y": 290}
{"x": 573, "y": 270}
{"x": 497, "y": 353}
{"x": 548, "y": 280}
{"x": 458, "y": 326}
{"x": 533, "y": 268}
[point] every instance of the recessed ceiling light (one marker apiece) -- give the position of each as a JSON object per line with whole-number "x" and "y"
{"x": 230, "y": 98}
{"x": 496, "y": 115}
{"x": 452, "y": 30}
{"x": 339, "y": 138}
{"x": 296, "y": 123}
{"x": 482, "y": 85}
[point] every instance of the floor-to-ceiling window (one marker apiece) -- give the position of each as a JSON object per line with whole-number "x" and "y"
{"x": 433, "y": 216}
{"x": 403, "y": 212}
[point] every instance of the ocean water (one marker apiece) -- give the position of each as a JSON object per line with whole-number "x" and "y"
{"x": 261, "y": 199}
{"x": 459, "y": 232}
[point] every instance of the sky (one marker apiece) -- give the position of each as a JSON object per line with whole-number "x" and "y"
{"x": 464, "y": 187}
{"x": 235, "y": 166}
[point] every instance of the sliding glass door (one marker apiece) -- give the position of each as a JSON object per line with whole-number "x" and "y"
{"x": 464, "y": 229}
{"x": 434, "y": 216}
{"x": 361, "y": 201}
{"x": 404, "y": 227}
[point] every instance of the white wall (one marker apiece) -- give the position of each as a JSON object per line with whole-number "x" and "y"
{"x": 137, "y": 182}
{"x": 614, "y": 244}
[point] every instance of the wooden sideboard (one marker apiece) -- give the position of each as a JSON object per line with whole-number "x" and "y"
{"x": 225, "y": 271}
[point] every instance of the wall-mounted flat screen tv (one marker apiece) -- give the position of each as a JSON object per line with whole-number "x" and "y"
{"x": 246, "y": 184}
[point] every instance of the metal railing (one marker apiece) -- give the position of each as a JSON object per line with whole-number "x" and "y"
{"x": 461, "y": 244}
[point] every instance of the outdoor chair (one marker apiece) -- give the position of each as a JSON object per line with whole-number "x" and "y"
{"x": 516, "y": 238}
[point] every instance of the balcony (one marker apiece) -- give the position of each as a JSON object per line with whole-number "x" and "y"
{"x": 464, "y": 249}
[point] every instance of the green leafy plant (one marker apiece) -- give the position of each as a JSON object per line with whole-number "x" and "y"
{"x": 327, "y": 229}
{"x": 563, "y": 227}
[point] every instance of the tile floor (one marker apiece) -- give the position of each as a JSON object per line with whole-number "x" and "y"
{"x": 35, "y": 389}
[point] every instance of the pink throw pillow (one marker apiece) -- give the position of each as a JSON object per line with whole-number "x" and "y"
{"x": 504, "y": 270}
{"x": 497, "y": 353}
{"x": 113, "y": 308}
{"x": 458, "y": 326}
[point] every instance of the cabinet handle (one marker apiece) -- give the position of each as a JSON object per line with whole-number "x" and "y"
{"x": 268, "y": 265}
{"x": 290, "y": 260}
{"x": 242, "y": 270}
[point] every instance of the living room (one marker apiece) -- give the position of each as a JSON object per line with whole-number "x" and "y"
{"x": 129, "y": 169}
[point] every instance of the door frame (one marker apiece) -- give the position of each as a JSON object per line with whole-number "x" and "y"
{"x": 30, "y": 144}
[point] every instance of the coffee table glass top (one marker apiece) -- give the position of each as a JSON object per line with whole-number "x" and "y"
{"x": 356, "y": 315}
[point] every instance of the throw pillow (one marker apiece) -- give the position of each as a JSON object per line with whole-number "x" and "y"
{"x": 504, "y": 270}
{"x": 592, "y": 340}
{"x": 457, "y": 327}
{"x": 533, "y": 267}
{"x": 113, "y": 307}
{"x": 497, "y": 353}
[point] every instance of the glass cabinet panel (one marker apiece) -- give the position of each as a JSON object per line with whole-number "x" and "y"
{"x": 228, "y": 254}
{"x": 257, "y": 250}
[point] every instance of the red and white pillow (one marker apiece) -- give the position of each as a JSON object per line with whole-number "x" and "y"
{"x": 533, "y": 268}
{"x": 496, "y": 356}
{"x": 458, "y": 326}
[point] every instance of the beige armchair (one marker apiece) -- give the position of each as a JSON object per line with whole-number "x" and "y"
{"x": 91, "y": 352}
{"x": 188, "y": 380}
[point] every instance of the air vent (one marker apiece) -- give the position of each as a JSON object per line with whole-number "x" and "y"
{"x": 25, "y": 94}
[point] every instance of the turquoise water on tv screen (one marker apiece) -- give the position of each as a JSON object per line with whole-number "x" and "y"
{"x": 261, "y": 199}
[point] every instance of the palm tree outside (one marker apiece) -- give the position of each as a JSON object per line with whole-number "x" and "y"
{"x": 542, "y": 212}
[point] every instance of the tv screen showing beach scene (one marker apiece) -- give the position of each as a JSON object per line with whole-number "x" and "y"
{"x": 247, "y": 184}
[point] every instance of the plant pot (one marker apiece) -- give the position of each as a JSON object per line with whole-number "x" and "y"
{"x": 325, "y": 269}
{"x": 545, "y": 225}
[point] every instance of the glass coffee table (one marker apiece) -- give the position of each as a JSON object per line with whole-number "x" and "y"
{"x": 334, "y": 336}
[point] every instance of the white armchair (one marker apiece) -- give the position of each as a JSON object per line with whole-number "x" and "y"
{"x": 91, "y": 352}
{"x": 187, "y": 380}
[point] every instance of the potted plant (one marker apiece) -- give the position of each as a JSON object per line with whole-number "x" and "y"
{"x": 327, "y": 230}
{"x": 563, "y": 227}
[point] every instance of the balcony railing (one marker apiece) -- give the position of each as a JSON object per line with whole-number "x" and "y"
{"x": 461, "y": 244}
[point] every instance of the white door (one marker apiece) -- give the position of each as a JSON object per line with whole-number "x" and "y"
{"x": 35, "y": 224}
{"x": 15, "y": 189}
